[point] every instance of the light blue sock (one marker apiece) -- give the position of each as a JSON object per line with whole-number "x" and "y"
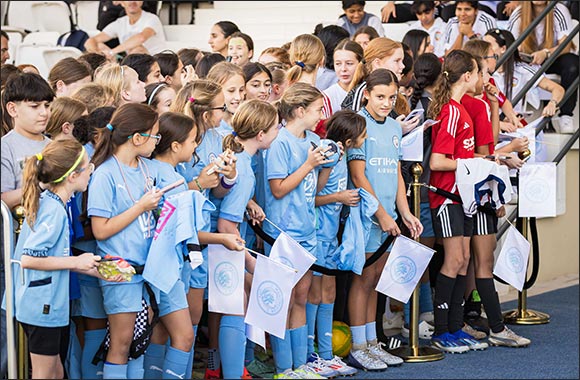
{"x": 232, "y": 345}
{"x": 299, "y": 345}
{"x": 371, "y": 331}
{"x": 189, "y": 368}
{"x": 359, "y": 335}
{"x": 74, "y": 354}
{"x": 114, "y": 371}
{"x": 324, "y": 328}
{"x": 93, "y": 340}
{"x": 249, "y": 356}
{"x": 425, "y": 298}
{"x": 282, "y": 350}
{"x": 175, "y": 364}
{"x": 311, "y": 310}
{"x": 153, "y": 362}
{"x": 135, "y": 368}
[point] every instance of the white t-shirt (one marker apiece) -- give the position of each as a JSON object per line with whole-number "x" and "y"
{"x": 121, "y": 29}
{"x": 562, "y": 24}
{"x": 336, "y": 95}
{"x": 522, "y": 75}
{"x": 436, "y": 33}
{"x": 483, "y": 23}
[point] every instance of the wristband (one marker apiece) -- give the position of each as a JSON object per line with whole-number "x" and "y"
{"x": 225, "y": 185}
{"x": 230, "y": 182}
{"x": 198, "y": 185}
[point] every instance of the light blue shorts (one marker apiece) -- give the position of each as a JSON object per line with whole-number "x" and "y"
{"x": 91, "y": 302}
{"x": 175, "y": 300}
{"x": 325, "y": 252}
{"x": 123, "y": 297}
{"x": 376, "y": 239}
{"x": 426, "y": 221}
{"x": 198, "y": 276}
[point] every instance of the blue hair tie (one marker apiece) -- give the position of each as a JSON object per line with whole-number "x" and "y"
{"x": 300, "y": 63}
{"x": 234, "y": 134}
{"x": 109, "y": 126}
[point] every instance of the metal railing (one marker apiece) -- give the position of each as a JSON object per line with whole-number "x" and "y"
{"x": 8, "y": 247}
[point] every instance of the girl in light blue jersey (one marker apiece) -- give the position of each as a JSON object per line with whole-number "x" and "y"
{"x": 255, "y": 126}
{"x": 231, "y": 77}
{"x": 349, "y": 129}
{"x": 122, "y": 198}
{"x": 376, "y": 168}
{"x": 43, "y": 249}
{"x": 292, "y": 166}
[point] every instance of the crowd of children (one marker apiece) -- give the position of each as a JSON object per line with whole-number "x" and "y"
{"x": 94, "y": 152}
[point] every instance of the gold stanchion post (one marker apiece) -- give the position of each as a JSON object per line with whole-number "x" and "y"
{"x": 522, "y": 315}
{"x": 415, "y": 353}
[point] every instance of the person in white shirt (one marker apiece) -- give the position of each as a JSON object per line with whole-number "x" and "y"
{"x": 138, "y": 32}
{"x": 467, "y": 23}
{"x": 426, "y": 21}
{"x": 347, "y": 55}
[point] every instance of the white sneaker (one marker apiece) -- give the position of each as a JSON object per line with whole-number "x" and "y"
{"x": 387, "y": 358}
{"x": 339, "y": 366}
{"x": 428, "y": 317}
{"x": 321, "y": 366}
{"x": 425, "y": 330}
{"x": 288, "y": 374}
{"x": 394, "y": 323}
{"x": 305, "y": 372}
{"x": 566, "y": 124}
{"x": 508, "y": 338}
{"x": 363, "y": 359}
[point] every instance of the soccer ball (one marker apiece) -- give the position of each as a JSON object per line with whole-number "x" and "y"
{"x": 341, "y": 339}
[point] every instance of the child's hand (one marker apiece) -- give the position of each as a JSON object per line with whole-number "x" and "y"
{"x": 341, "y": 147}
{"x": 255, "y": 212}
{"x": 227, "y": 165}
{"x": 233, "y": 242}
{"x": 507, "y": 127}
{"x": 316, "y": 156}
{"x": 349, "y": 197}
{"x": 389, "y": 225}
{"x": 491, "y": 91}
{"x": 87, "y": 261}
{"x": 409, "y": 125}
{"x": 150, "y": 200}
{"x": 413, "y": 224}
{"x": 520, "y": 144}
{"x": 208, "y": 181}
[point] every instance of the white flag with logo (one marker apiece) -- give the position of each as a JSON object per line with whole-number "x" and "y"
{"x": 512, "y": 262}
{"x": 270, "y": 296}
{"x": 405, "y": 266}
{"x": 256, "y": 335}
{"x": 226, "y": 280}
{"x": 537, "y": 190}
{"x": 289, "y": 252}
{"x": 412, "y": 145}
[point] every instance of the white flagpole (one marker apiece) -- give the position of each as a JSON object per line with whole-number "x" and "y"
{"x": 272, "y": 223}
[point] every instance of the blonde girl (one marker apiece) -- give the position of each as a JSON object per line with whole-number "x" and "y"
{"x": 64, "y": 111}
{"x": 50, "y": 178}
{"x": 123, "y": 81}
{"x": 291, "y": 170}
{"x": 231, "y": 78}
{"x": 93, "y": 96}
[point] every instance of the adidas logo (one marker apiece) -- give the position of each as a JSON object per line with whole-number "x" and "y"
{"x": 443, "y": 306}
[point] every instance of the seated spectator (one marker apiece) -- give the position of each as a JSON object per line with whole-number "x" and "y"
{"x": 355, "y": 16}
{"x": 4, "y": 50}
{"x": 138, "y": 31}
{"x": 548, "y": 35}
{"x": 364, "y": 35}
{"x": 467, "y": 23}
{"x": 399, "y": 12}
{"x": 426, "y": 21}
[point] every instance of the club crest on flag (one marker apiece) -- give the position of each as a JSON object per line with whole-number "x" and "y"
{"x": 514, "y": 259}
{"x": 403, "y": 270}
{"x": 226, "y": 278}
{"x": 270, "y": 297}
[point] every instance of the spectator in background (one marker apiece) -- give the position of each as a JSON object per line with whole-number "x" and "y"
{"x": 330, "y": 36}
{"x": 548, "y": 35}
{"x": 400, "y": 12}
{"x": 355, "y": 16}
{"x": 274, "y": 54}
{"x": 4, "y": 52}
{"x": 468, "y": 23}
{"x": 426, "y": 21}
{"x": 364, "y": 35}
{"x": 419, "y": 42}
{"x": 138, "y": 32}
{"x": 220, "y": 35}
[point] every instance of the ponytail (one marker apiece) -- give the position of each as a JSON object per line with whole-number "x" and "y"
{"x": 252, "y": 117}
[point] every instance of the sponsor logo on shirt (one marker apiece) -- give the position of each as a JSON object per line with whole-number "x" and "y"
{"x": 469, "y": 144}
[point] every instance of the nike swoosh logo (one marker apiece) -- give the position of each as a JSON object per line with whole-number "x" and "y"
{"x": 468, "y": 171}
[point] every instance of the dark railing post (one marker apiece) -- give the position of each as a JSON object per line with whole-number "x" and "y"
{"x": 545, "y": 65}
{"x": 510, "y": 50}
